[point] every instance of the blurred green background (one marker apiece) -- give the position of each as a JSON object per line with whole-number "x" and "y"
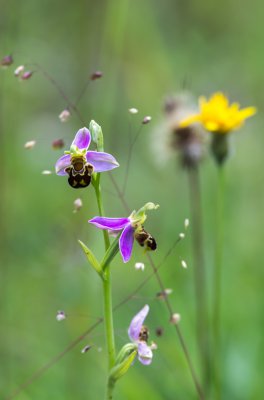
{"x": 146, "y": 49}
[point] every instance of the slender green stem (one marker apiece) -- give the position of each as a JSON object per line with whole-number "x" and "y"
{"x": 107, "y": 292}
{"x": 98, "y": 193}
{"x": 217, "y": 282}
{"x": 108, "y": 317}
{"x": 199, "y": 274}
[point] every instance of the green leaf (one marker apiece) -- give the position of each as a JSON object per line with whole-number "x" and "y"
{"x": 91, "y": 258}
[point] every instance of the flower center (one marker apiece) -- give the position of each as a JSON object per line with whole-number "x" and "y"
{"x": 144, "y": 334}
{"x": 80, "y": 172}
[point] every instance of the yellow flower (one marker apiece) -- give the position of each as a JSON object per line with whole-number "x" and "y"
{"x": 217, "y": 115}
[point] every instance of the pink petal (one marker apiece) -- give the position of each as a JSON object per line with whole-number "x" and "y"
{"x": 82, "y": 139}
{"x": 136, "y": 323}
{"x": 101, "y": 161}
{"x": 144, "y": 353}
{"x": 126, "y": 243}
{"x": 109, "y": 223}
{"x": 62, "y": 163}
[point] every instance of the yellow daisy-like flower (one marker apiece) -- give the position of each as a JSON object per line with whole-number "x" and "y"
{"x": 217, "y": 115}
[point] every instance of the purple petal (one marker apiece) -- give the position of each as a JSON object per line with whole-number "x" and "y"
{"x": 82, "y": 139}
{"x": 62, "y": 163}
{"x": 110, "y": 223}
{"x": 101, "y": 161}
{"x": 126, "y": 243}
{"x": 136, "y": 323}
{"x": 144, "y": 353}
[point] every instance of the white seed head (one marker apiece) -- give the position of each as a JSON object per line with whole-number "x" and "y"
{"x": 18, "y": 71}
{"x": 133, "y": 110}
{"x": 186, "y": 223}
{"x": 64, "y": 115}
{"x": 30, "y": 144}
{"x": 175, "y": 318}
{"x": 181, "y": 235}
{"x": 60, "y": 316}
{"x": 183, "y": 264}
{"x": 46, "y": 172}
{"x": 140, "y": 266}
{"x": 77, "y": 204}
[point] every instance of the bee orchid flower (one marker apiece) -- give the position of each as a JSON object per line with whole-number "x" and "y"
{"x": 138, "y": 334}
{"x": 79, "y": 163}
{"x": 131, "y": 227}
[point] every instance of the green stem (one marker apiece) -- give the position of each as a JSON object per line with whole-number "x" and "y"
{"x": 107, "y": 292}
{"x": 97, "y": 187}
{"x": 217, "y": 282}
{"x": 108, "y": 317}
{"x": 110, "y": 388}
{"x": 199, "y": 274}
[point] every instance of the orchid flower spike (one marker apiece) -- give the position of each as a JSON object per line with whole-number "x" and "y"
{"x": 138, "y": 334}
{"x": 80, "y": 164}
{"x": 131, "y": 227}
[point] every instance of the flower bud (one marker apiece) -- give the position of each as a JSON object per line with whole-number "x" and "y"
{"x": 175, "y": 319}
{"x": 58, "y": 144}
{"x": 96, "y": 75}
{"x": 220, "y": 147}
{"x": 65, "y": 115}
{"x": 18, "y": 71}
{"x": 26, "y": 75}
{"x": 133, "y": 110}
{"x": 146, "y": 120}
{"x": 183, "y": 264}
{"x": 97, "y": 135}
{"x": 46, "y": 172}
{"x": 30, "y": 144}
{"x": 6, "y": 61}
{"x": 60, "y": 316}
{"x": 163, "y": 294}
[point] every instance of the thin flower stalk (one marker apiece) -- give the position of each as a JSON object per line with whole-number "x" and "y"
{"x": 199, "y": 275}
{"x": 107, "y": 291}
{"x": 217, "y": 282}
